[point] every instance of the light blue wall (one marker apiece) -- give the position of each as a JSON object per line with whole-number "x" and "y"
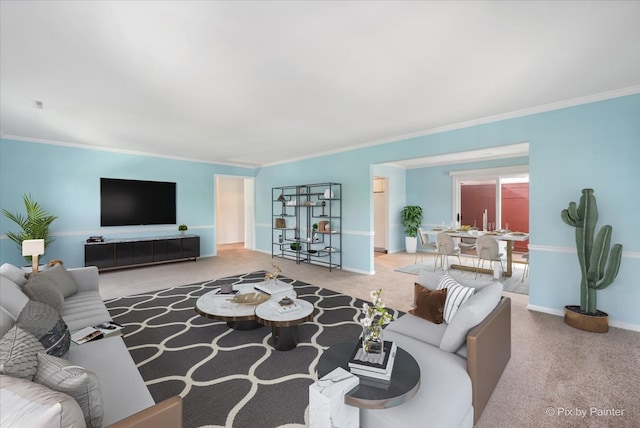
{"x": 66, "y": 182}
{"x": 593, "y": 145}
{"x": 431, "y": 188}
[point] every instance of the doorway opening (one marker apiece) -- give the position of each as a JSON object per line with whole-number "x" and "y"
{"x": 234, "y": 211}
{"x": 380, "y": 215}
{"x": 493, "y": 199}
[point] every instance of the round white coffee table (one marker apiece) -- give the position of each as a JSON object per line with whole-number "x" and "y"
{"x": 238, "y": 316}
{"x": 284, "y": 321}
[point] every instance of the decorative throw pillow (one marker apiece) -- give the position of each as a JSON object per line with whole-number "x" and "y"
{"x": 14, "y": 273}
{"x": 46, "y": 324}
{"x": 61, "y": 278}
{"x": 469, "y": 315}
{"x": 457, "y": 294}
{"x": 34, "y": 405}
{"x": 42, "y": 289}
{"x": 429, "y": 304}
{"x": 18, "y": 353}
{"x": 80, "y": 383}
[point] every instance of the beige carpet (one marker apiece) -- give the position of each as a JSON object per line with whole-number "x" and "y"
{"x": 555, "y": 373}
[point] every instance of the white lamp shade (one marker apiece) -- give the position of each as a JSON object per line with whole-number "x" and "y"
{"x": 33, "y": 247}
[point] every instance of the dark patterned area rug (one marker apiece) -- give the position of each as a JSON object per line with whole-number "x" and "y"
{"x": 230, "y": 378}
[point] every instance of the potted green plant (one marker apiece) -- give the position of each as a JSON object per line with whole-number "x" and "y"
{"x": 183, "y": 228}
{"x": 411, "y": 216}
{"x": 35, "y": 224}
{"x": 599, "y": 265}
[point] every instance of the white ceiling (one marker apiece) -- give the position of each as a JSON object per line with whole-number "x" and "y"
{"x": 255, "y": 83}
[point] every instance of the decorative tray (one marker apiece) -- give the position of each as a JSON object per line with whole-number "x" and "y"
{"x": 250, "y": 298}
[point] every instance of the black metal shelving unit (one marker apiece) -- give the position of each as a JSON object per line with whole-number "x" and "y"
{"x": 307, "y": 223}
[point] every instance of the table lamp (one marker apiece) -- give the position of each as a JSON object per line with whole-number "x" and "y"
{"x": 33, "y": 248}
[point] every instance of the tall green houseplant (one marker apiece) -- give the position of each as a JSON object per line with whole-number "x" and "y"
{"x": 411, "y": 219}
{"x": 35, "y": 224}
{"x": 598, "y": 264}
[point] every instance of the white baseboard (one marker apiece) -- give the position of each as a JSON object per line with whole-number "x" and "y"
{"x": 362, "y": 272}
{"x": 560, "y": 313}
{"x": 545, "y": 310}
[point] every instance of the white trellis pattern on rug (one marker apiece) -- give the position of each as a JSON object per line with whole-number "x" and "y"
{"x": 229, "y": 377}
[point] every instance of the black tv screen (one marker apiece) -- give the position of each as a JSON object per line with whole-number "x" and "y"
{"x": 136, "y": 202}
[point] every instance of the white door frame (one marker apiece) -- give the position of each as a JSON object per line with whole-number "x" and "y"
{"x": 249, "y": 210}
{"x": 385, "y": 202}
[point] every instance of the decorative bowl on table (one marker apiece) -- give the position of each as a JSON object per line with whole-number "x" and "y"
{"x": 286, "y": 301}
{"x": 250, "y": 298}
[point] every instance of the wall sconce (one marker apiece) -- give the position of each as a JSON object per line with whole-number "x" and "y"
{"x": 33, "y": 248}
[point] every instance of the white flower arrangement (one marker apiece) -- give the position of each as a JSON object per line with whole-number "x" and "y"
{"x": 375, "y": 316}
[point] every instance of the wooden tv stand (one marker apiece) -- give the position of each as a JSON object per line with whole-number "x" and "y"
{"x": 123, "y": 253}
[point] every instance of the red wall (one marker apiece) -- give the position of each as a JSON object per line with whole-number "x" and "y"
{"x": 515, "y": 207}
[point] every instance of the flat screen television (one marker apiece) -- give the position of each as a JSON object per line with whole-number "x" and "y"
{"x": 136, "y": 202}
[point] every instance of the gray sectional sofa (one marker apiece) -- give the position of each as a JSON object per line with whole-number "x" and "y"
{"x": 460, "y": 361}
{"x": 122, "y": 399}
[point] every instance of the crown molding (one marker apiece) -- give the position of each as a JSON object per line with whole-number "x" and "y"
{"x": 632, "y": 90}
{"x": 123, "y": 151}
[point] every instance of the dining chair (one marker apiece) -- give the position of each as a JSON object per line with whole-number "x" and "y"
{"x": 487, "y": 249}
{"x": 425, "y": 245}
{"x": 467, "y": 244}
{"x": 446, "y": 248}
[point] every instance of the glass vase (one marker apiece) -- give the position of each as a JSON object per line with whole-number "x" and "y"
{"x": 372, "y": 341}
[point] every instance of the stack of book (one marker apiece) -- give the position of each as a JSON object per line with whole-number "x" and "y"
{"x": 271, "y": 288}
{"x": 374, "y": 366}
{"x": 284, "y": 308}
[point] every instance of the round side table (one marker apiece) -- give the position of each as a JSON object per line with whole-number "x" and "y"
{"x": 284, "y": 322}
{"x": 404, "y": 383}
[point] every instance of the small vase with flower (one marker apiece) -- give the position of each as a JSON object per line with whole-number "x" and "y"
{"x": 375, "y": 317}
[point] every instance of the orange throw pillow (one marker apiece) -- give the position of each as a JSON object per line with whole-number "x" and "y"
{"x": 429, "y": 304}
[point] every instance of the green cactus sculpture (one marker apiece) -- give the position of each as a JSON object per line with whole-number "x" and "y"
{"x": 599, "y": 266}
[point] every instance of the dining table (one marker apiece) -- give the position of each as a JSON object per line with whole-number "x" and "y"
{"x": 508, "y": 236}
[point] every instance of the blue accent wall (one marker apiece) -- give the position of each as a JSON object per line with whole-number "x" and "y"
{"x": 66, "y": 182}
{"x": 593, "y": 145}
{"x": 431, "y": 188}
